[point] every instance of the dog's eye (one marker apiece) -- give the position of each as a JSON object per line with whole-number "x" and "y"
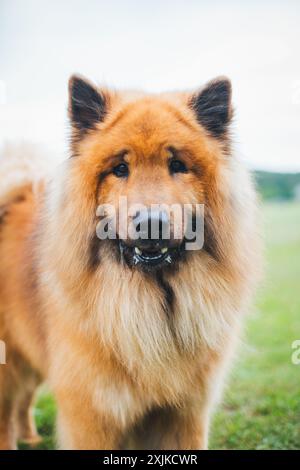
{"x": 177, "y": 166}
{"x": 121, "y": 170}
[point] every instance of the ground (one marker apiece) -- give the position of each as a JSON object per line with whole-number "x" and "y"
{"x": 261, "y": 405}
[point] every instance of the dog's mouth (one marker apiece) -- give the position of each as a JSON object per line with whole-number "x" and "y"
{"x": 157, "y": 256}
{"x": 152, "y": 257}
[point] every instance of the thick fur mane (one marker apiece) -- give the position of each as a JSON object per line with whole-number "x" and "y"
{"x": 130, "y": 308}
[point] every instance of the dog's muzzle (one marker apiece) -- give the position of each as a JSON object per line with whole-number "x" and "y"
{"x": 152, "y": 244}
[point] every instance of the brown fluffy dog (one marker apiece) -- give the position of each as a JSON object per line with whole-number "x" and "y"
{"x": 134, "y": 354}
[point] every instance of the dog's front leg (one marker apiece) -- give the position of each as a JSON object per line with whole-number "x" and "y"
{"x": 184, "y": 428}
{"x": 189, "y": 433}
{"x": 81, "y": 427}
{"x": 187, "y": 429}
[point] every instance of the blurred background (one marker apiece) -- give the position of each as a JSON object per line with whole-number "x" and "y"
{"x": 164, "y": 45}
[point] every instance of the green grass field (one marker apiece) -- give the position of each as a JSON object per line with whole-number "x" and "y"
{"x": 261, "y": 406}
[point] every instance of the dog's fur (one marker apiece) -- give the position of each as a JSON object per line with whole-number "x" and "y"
{"x": 135, "y": 359}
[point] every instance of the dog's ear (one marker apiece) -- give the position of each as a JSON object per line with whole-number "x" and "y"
{"x": 213, "y": 107}
{"x": 87, "y": 106}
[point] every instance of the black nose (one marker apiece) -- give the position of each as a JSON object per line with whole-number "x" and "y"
{"x": 152, "y": 229}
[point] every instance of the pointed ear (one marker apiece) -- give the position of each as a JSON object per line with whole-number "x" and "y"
{"x": 213, "y": 107}
{"x": 87, "y": 106}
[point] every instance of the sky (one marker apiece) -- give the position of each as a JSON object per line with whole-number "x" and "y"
{"x": 154, "y": 45}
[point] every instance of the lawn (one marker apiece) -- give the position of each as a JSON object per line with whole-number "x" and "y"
{"x": 261, "y": 406}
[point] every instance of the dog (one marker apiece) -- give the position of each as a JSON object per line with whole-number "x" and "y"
{"x": 133, "y": 335}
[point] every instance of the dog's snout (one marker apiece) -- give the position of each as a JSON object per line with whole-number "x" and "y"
{"x": 152, "y": 227}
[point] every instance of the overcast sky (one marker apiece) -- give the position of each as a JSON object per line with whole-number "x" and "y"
{"x": 154, "y": 45}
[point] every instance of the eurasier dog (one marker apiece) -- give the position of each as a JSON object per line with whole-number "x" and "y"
{"x": 133, "y": 335}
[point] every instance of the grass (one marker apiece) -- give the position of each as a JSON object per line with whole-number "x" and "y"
{"x": 261, "y": 409}
{"x": 261, "y": 406}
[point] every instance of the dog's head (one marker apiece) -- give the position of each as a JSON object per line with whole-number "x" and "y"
{"x": 146, "y": 162}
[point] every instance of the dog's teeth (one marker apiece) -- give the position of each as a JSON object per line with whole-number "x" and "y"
{"x": 137, "y": 250}
{"x": 164, "y": 250}
{"x": 168, "y": 259}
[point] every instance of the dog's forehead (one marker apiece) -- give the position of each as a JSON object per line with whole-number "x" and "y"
{"x": 148, "y": 114}
{"x": 148, "y": 124}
